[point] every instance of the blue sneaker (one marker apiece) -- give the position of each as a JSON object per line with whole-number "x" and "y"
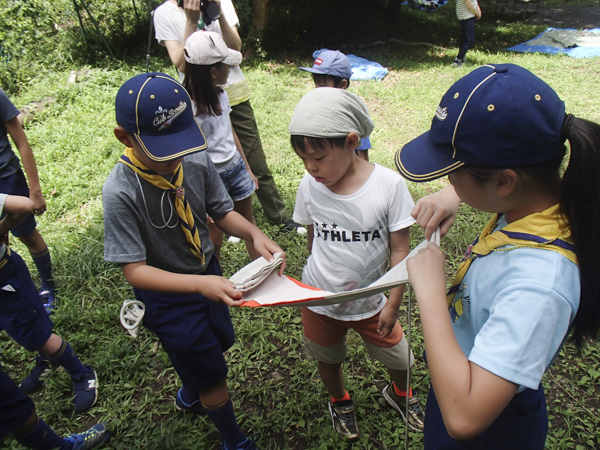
{"x": 182, "y": 405}
{"x": 41, "y": 372}
{"x": 48, "y": 298}
{"x": 248, "y": 444}
{"x": 85, "y": 388}
{"x": 89, "y": 439}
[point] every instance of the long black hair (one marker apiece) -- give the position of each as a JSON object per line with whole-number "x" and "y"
{"x": 204, "y": 93}
{"x": 580, "y": 206}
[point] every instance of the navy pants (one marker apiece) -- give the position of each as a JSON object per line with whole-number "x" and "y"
{"x": 467, "y": 38}
{"x": 522, "y": 425}
{"x": 15, "y": 407}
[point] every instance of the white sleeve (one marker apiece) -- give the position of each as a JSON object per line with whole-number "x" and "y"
{"x": 168, "y": 25}
{"x": 229, "y": 13}
{"x": 400, "y": 204}
{"x": 301, "y": 212}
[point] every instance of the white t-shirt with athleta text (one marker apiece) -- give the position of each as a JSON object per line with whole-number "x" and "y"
{"x": 351, "y": 242}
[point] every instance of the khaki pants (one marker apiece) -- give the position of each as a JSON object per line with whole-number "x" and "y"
{"x": 244, "y": 124}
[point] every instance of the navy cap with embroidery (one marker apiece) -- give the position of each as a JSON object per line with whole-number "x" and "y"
{"x": 157, "y": 110}
{"x": 497, "y": 116}
{"x": 331, "y": 62}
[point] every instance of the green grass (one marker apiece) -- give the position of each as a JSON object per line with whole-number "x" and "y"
{"x": 276, "y": 390}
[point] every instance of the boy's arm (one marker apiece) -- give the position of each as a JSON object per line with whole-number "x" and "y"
{"x": 311, "y": 236}
{"x": 16, "y": 209}
{"x": 230, "y": 34}
{"x": 240, "y": 149}
{"x": 399, "y": 249}
{"x": 14, "y": 128}
{"x": 215, "y": 288}
{"x": 236, "y": 225}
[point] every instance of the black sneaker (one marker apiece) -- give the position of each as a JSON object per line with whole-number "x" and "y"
{"x": 41, "y": 372}
{"x": 182, "y": 405}
{"x": 290, "y": 225}
{"x": 457, "y": 62}
{"x": 343, "y": 419}
{"x": 85, "y": 388}
{"x": 248, "y": 444}
{"x": 416, "y": 415}
{"x": 89, "y": 439}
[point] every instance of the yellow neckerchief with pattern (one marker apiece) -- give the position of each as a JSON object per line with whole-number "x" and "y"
{"x": 181, "y": 205}
{"x": 545, "y": 230}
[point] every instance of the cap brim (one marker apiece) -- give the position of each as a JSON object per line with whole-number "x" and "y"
{"x": 420, "y": 161}
{"x": 163, "y": 148}
{"x": 234, "y": 58}
{"x": 313, "y": 70}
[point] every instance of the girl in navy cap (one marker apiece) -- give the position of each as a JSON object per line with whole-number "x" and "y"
{"x": 529, "y": 280}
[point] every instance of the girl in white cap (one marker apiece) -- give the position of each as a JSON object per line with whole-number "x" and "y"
{"x": 207, "y": 68}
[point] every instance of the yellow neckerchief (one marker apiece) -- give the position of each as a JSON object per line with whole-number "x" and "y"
{"x": 545, "y": 230}
{"x": 181, "y": 205}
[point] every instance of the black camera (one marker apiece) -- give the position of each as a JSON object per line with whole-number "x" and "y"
{"x": 210, "y": 11}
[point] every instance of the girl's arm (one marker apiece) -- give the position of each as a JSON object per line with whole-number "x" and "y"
{"x": 470, "y": 397}
{"x": 238, "y": 144}
{"x": 215, "y": 288}
{"x": 236, "y": 225}
{"x": 437, "y": 209}
{"x": 14, "y": 128}
{"x": 399, "y": 249}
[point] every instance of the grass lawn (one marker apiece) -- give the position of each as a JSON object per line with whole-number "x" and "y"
{"x": 276, "y": 390}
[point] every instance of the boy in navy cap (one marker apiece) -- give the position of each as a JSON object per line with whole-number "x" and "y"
{"x": 155, "y": 204}
{"x": 332, "y": 69}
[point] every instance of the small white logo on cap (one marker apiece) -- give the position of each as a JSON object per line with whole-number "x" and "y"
{"x": 441, "y": 113}
{"x": 166, "y": 117}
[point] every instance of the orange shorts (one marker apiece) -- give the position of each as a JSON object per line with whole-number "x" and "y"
{"x": 327, "y": 332}
{"x": 325, "y": 340}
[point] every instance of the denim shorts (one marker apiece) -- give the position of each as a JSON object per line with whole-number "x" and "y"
{"x": 16, "y": 184}
{"x": 236, "y": 179}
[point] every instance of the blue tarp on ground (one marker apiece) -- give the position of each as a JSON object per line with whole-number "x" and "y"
{"x": 425, "y": 5}
{"x": 362, "y": 69}
{"x": 575, "y": 43}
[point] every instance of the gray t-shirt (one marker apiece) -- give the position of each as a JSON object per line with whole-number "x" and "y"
{"x": 141, "y": 223}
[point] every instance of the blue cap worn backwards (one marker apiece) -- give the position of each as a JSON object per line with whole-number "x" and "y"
{"x": 497, "y": 116}
{"x": 157, "y": 110}
{"x": 331, "y": 62}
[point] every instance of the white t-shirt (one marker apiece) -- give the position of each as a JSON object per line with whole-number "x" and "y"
{"x": 219, "y": 135}
{"x": 169, "y": 25}
{"x": 351, "y": 237}
{"x": 512, "y": 313}
{"x": 462, "y": 12}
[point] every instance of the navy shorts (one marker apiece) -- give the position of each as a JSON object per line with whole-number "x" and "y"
{"x": 194, "y": 332}
{"x": 22, "y": 314}
{"x": 15, "y": 407}
{"x": 16, "y": 184}
{"x": 236, "y": 179}
{"x": 522, "y": 425}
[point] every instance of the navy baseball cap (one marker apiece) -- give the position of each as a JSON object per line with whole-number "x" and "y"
{"x": 157, "y": 110}
{"x": 331, "y": 62}
{"x": 497, "y": 116}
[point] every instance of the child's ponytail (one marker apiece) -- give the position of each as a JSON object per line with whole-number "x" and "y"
{"x": 580, "y": 203}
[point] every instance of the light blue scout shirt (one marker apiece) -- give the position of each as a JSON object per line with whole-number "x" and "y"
{"x": 513, "y": 310}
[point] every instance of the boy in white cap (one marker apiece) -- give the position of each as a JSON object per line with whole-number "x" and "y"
{"x": 155, "y": 204}
{"x": 358, "y": 219}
